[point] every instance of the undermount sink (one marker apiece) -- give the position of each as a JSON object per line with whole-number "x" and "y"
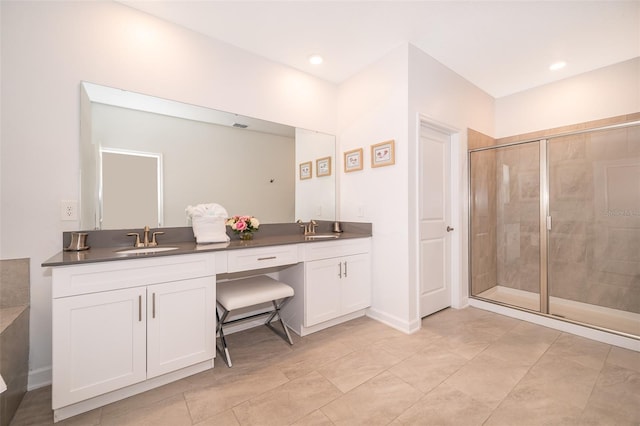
{"x": 321, "y": 236}
{"x": 146, "y": 250}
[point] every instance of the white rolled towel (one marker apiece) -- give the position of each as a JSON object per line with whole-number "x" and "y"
{"x": 209, "y": 223}
{"x": 211, "y": 209}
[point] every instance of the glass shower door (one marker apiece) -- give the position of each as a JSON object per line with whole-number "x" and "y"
{"x": 505, "y": 224}
{"x": 594, "y": 241}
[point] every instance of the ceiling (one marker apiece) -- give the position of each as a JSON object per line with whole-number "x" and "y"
{"x": 503, "y": 47}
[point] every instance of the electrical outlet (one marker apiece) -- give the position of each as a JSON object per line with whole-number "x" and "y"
{"x": 69, "y": 210}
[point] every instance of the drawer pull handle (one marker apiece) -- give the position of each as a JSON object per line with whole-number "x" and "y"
{"x": 267, "y": 258}
{"x": 153, "y": 296}
{"x": 340, "y": 270}
{"x": 139, "y": 308}
{"x": 345, "y": 269}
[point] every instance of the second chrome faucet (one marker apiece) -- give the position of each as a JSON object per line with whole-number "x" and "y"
{"x": 309, "y": 228}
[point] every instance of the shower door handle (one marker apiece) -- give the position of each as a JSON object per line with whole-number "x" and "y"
{"x": 449, "y": 229}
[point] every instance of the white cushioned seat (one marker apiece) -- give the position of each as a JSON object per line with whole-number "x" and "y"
{"x": 251, "y": 291}
{"x": 245, "y": 292}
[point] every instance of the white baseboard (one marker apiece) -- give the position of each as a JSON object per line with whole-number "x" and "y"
{"x": 39, "y": 378}
{"x": 62, "y": 413}
{"x": 394, "y": 322}
{"x": 244, "y": 325}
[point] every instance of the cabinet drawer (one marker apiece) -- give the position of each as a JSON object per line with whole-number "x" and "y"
{"x": 264, "y": 257}
{"x": 329, "y": 249}
{"x": 105, "y": 276}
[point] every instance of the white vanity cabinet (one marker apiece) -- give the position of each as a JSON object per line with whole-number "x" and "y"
{"x": 336, "y": 285}
{"x": 123, "y": 327}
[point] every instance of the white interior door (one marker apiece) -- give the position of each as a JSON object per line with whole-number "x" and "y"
{"x": 434, "y": 216}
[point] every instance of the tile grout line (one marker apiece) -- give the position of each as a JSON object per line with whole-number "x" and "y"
{"x": 522, "y": 378}
{"x": 593, "y": 388}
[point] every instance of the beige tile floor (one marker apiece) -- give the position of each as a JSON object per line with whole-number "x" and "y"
{"x": 464, "y": 367}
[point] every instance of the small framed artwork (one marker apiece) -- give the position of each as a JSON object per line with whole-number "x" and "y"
{"x": 353, "y": 160}
{"x": 383, "y": 154}
{"x": 323, "y": 166}
{"x": 305, "y": 170}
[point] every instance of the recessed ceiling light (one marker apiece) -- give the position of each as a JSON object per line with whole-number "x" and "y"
{"x": 558, "y": 65}
{"x": 315, "y": 59}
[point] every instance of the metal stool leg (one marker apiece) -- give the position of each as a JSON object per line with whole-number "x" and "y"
{"x": 276, "y": 311}
{"x": 224, "y": 350}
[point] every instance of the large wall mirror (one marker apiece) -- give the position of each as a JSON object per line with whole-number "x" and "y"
{"x": 145, "y": 159}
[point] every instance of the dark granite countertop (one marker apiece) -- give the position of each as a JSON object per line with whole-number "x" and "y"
{"x": 109, "y": 248}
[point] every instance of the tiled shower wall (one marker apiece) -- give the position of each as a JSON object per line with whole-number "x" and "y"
{"x": 517, "y": 216}
{"x": 483, "y": 221}
{"x": 594, "y": 199}
{"x": 504, "y": 224}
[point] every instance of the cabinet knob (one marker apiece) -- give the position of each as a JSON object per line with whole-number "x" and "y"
{"x": 449, "y": 229}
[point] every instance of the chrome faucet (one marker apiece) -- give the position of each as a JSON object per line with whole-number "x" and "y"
{"x": 145, "y": 241}
{"x": 309, "y": 228}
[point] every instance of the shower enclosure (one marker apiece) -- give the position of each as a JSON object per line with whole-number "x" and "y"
{"x": 555, "y": 227}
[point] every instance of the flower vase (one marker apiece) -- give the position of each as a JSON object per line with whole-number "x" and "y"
{"x": 246, "y": 236}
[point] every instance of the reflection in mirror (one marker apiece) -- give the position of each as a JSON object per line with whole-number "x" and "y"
{"x": 247, "y": 165}
{"x": 315, "y": 197}
{"x": 131, "y": 188}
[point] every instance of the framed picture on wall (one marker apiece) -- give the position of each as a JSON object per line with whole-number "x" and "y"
{"x": 353, "y": 160}
{"x": 383, "y": 154}
{"x": 323, "y": 166}
{"x": 305, "y": 170}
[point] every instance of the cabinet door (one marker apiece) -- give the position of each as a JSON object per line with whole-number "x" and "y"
{"x": 181, "y": 324}
{"x": 356, "y": 283}
{"x": 322, "y": 285}
{"x": 99, "y": 344}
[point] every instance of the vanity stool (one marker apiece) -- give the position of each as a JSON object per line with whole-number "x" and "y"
{"x": 242, "y": 293}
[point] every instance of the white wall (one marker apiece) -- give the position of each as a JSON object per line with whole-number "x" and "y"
{"x": 443, "y": 98}
{"x": 47, "y": 49}
{"x": 372, "y": 108}
{"x": 383, "y": 102}
{"x": 605, "y": 92}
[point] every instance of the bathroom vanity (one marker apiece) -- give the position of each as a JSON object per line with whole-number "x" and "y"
{"x": 116, "y": 324}
{"x": 126, "y": 323}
